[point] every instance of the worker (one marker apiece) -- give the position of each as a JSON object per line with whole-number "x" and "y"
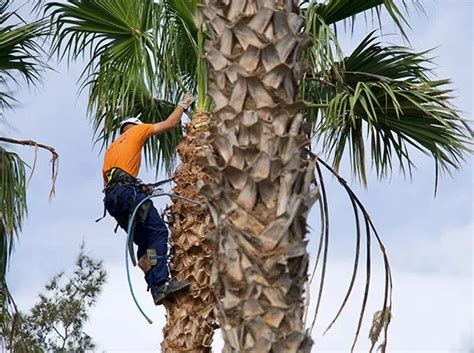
{"x": 123, "y": 191}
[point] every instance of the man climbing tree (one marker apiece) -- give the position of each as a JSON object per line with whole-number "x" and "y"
{"x": 123, "y": 192}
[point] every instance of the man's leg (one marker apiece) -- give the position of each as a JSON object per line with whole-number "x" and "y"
{"x": 154, "y": 234}
{"x": 152, "y": 237}
{"x": 118, "y": 204}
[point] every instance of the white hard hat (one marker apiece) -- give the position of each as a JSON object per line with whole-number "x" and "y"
{"x": 134, "y": 121}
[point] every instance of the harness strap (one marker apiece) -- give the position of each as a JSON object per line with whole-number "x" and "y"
{"x": 103, "y": 216}
{"x": 109, "y": 174}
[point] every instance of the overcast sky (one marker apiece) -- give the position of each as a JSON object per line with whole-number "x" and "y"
{"x": 429, "y": 239}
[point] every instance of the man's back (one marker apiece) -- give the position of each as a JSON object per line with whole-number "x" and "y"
{"x": 125, "y": 151}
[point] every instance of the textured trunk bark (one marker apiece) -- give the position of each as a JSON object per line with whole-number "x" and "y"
{"x": 190, "y": 320}
{"x": 262, "y": 179}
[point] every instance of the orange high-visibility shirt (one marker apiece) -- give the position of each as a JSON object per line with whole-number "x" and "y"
{"x": 125, "y": 151}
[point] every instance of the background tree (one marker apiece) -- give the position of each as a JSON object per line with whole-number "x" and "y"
{"x": 56, "y": 322}
{"x": 20, "y": 62}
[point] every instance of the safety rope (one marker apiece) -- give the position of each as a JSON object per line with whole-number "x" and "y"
{"x": 156, "y": 193}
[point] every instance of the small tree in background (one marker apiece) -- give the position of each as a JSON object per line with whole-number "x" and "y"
{"x": 56, "y": 322}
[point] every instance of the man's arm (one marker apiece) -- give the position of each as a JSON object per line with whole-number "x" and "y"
{"x": 171, "y": 122}
{"x": 175, "y": 118}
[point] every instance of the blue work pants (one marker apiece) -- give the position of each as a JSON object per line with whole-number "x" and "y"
{"x": 150, "y": 232}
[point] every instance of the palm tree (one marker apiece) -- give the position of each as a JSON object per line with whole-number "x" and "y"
{"x": 19, "y": 60}
{"x": 259, "y": 151}
{"x": 138, "y": 50}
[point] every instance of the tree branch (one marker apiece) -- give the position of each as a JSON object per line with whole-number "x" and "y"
{"x": 56, "y": 330}
{"x": 54, "y": 160}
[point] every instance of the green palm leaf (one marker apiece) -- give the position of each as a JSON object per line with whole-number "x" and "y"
{"x": 19, "y": 53}
{"x": 335, "y": 11}
{"x": 12, "y": 212}
{"x": 119, "y": 35}
{"x": 321, "y": 20}
{"x": 138, "y": 50}
{"x": 385, "y": 95}
{"x": 12, "y": 194}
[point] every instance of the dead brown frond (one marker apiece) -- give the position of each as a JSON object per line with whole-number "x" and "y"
{"x": 54, "y": 159}
{"x": 380, "y": 321}
{"x": 370, "y": 231}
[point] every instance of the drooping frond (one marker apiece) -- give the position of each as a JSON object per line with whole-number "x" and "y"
{"x": 178, "y": 49}
{"x": 12, "y": 212}
{"x": 13, "y": 209}
{"x": 20, "y": 61}
{"x": 12, "y": 194}
{"x": 386, "y": 95}
{"x": 324, "y": 50}
{"x": 371, "y": 235}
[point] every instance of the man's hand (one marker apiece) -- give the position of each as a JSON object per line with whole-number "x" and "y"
{"x": 175, "y": 117}
{"x": 186, "y": 100}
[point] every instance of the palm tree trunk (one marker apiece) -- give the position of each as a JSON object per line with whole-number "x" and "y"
{"x": 263, "y": 181}
{"x": 190, "y": 320}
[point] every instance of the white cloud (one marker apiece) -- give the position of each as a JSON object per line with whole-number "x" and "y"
{"x": 449, "y": 254}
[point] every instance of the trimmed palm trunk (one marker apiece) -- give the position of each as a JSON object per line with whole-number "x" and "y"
{"x": 190, "y": 320}
{"x": 262, "y": 178}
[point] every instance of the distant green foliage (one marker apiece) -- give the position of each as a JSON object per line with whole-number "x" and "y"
{"x": 56, "y": 322}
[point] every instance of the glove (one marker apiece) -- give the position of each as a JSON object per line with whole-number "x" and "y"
{"x": 186, "y": 100}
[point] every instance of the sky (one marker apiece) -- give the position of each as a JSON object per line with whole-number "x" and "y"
{"x": 429, "y": 240}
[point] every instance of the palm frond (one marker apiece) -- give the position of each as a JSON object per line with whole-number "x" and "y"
{"x": 385, "y": 95}
{"x": 13, "y": 210}
{"x": 12, "y": 193}
{"x": 7, "y": 305}
{"x": 334, "y": 11}
{"x": 119, "y": 37}
{"x": 324, "y": 50}
{"x": 136, "y": 51}
{"x": 160, "y": 151}
{"x": 370, "y": 233}
{"x": 19, "y": 52}
{"x": 178, "y": 49}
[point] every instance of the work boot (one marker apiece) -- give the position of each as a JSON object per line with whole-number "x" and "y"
{"x": 167, "y": 290}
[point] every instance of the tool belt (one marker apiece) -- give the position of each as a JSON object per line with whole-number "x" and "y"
{"x": 116, "y": 177}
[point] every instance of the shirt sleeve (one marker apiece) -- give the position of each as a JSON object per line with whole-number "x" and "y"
{"x": 142, "y": 132}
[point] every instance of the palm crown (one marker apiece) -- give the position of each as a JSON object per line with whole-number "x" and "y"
{"x": 385, "y": 93}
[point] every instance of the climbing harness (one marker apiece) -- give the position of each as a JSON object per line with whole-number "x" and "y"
{"x": 154, "y": 191}
{"x": 115, "y": 178}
